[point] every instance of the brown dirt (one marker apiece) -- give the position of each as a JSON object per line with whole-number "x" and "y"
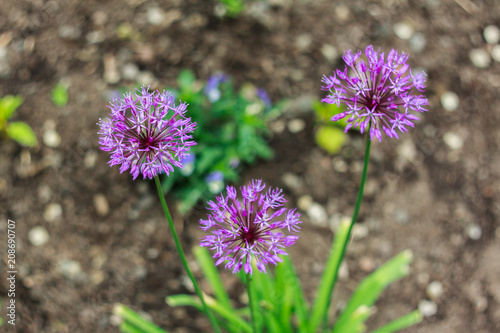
{"x": 422, "y": 195}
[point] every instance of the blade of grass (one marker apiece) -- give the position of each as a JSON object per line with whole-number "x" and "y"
{"x": 355, "y": 323}
{"x": 407, "y": 320}
{"x": 231, "y": 316}
{"x": 290, "y": 290}
{"x": 324, "y": 293}
{"x": 210, "y": 272}
{"x": 372, "y": 286}
{"x": 134, "y": 319}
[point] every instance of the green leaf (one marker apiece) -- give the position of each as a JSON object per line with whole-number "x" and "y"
{"x": 135, "y": 320}
{"x": 330, "y": 138}
{"x": 8, "y": 105}
{"x": 325, "y": 112}
{"x": 126, "y": 327}
{"x": 372, "y": 286}
{"x": 186, "y": 80}
{"x": 233, "y": 7}
{"x": 231, "y": 316}
{"x": 22, "y": 133}
{"x": 356, "y": 321}
{"x": 324, "y": 293}
{"x": 407, "y": 320}
{"x": 210, "y": 273}
{"x": 189, "y": 197}
{"x": 290, "y": 297}
{"x": 263, "y": 289}
{"x": 60, "y": 95}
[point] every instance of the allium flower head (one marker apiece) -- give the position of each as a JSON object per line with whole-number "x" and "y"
{"x": 251, "y": 228}
{"x": 381, "y": 90}
{"x": 148, "y": 134}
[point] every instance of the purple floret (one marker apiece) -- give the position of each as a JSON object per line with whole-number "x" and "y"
{"x": 147, "y": 134}
{"x": 381, "y": 91}
{"x": 252, "y": 228}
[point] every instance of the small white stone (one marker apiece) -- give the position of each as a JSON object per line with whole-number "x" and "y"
{"x": 427, "y": 308}
{"x": 342, "y": 12}
{"x": 146, "y": 78}
{"x": 366, "y": 264}
{"x": 449, "y": 100}
{"x": 329, "y": 52}
{"x": 44, "y": 193}
{"x": 95, "y": 37}
{"x": 69, "y": 32}
{"x": 38, "y": 236}
{"x": 480, "y": 58}
{"x": 296, "y": 125}
{"x": 343, "y": 271}
{"x": 303, "y": 41}
{"x": 317, "y": 214}
{"x": 453, "y": 140}
{"x": 359, "y": 231}
{"x": 403, "y": 30}
{"x": 292, "y": 182}
{"x": 155, "y": 16}
{"x": 152, "y": 253}
{"x": 474, "y": 232}
{"x": 418, "y": 42}
{"x": 339, "y": 164}
{"x": 130, "y": 71}
{"x": 304, "y": 202}
{"x": 406, "y": 150}
{"x": 101, "y": 205}
{"x": 90, "y": 159}
{"x": 495, "y": 53}
{"x": 51, "y": 138}
{"x": 71, "y": 269}
{"x": 491, "y": 34}
{"x": 111, "y": 74}
{"x": 52, "y": 212}
{"x": 434, "y": 290}
{"x": 277, "y": 126}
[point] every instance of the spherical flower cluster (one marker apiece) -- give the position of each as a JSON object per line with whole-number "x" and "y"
{"x": 250, "y": 229}
{"x": 381, "y": 91}
{"x": 148, "y": 134}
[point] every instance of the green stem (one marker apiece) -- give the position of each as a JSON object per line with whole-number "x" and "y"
{"x": 251, "y": 302}
{"x": 359, "y": 199}
{"x": 183, "y": 256}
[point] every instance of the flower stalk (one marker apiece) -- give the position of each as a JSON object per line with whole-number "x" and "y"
{"x": 357, "y": 206}
{"x": 183, "y": 256}
{"x": 251, "y": 302}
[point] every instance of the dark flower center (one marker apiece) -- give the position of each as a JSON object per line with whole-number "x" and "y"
{"x": 250, "y": 236}
{"x": 146, "y": 143}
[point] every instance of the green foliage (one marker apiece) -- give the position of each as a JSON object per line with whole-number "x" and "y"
{"x": 281, "y": 305}
{"x": 232, "y": 7}
{"x": 60, "y": 95}
{"x": 329, "y": 134}
{"x": 231, "y": 130}
{"x": 132, "y": 322}
{"x": 17, "y": 130}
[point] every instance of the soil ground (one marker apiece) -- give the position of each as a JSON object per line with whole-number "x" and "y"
{"x": 435, "y": 191}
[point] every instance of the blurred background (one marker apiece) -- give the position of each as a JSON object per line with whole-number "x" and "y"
{"x": 89, "y": 237}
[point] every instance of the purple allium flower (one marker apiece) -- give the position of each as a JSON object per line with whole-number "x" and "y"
{"x": 212, "y": 88}
{"x": 382, "y": 91}
{"x": 251, "y": 228}
{"x": 149, "y": 135}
